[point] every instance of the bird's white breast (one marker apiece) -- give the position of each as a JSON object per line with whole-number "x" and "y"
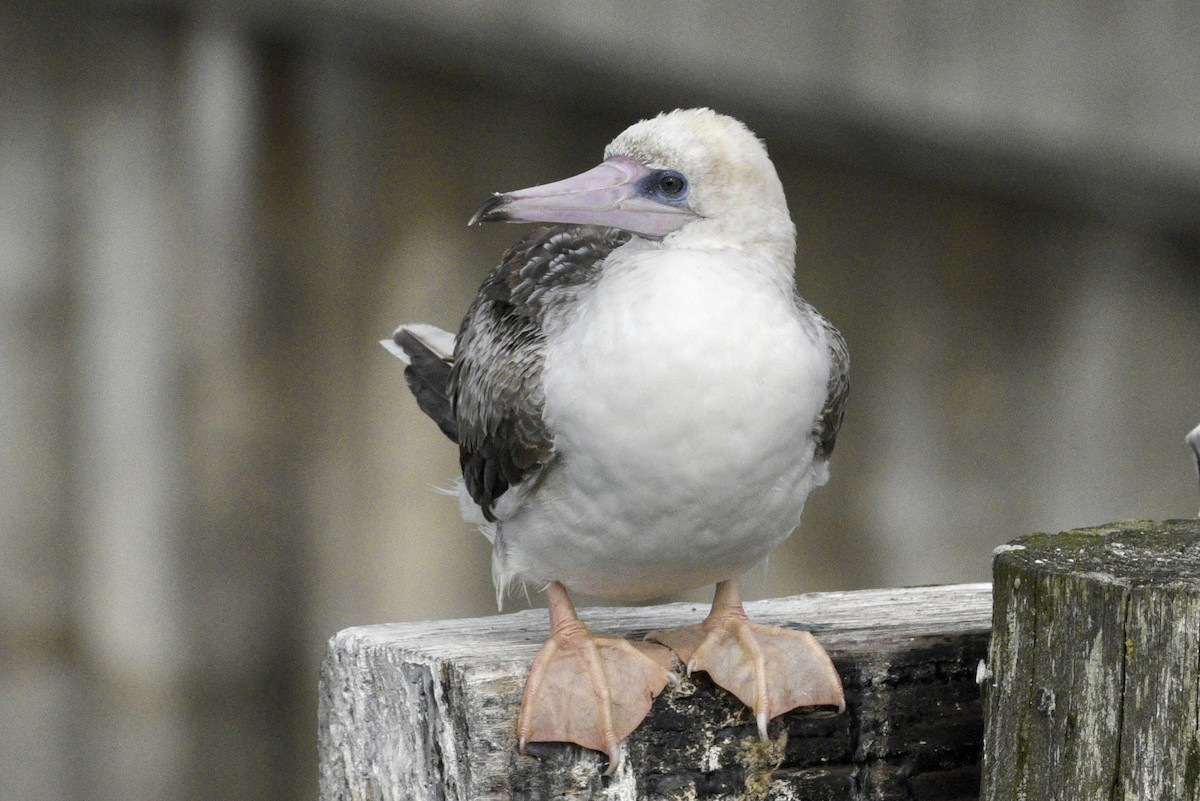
{"x": 681, "y": 394}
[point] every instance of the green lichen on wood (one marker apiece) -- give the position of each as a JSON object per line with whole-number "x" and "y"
{"x": 760, "y": 759}
{"x": 1139, "y": 552}
{"x": 1095, "y": 658}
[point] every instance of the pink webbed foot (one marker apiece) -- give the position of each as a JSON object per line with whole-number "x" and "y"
{"x": 770, "y": 669}
{"x": 587, "y": 688}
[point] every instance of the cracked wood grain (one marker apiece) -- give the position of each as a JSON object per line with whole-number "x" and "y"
{"x": 428, "y": 710}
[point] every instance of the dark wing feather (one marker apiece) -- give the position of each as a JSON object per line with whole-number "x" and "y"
{"x": 496, "y": 380}
{"x": 837, "y": 391}
{"x": 428, "y": 376}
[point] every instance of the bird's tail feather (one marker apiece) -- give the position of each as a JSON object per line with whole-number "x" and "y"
{"x": 428, "y": 353}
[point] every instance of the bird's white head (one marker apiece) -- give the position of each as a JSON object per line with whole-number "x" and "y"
{"x": 731, "y": 183}
{"x": 690, "y": 177}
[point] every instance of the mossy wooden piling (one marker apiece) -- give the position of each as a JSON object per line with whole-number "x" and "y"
{"x": 1094, "y": 686}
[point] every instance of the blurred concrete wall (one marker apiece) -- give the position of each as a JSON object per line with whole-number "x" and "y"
{"x": 211, "y": 213}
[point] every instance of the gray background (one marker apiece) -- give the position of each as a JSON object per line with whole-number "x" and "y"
{"x": 211, "y": 213}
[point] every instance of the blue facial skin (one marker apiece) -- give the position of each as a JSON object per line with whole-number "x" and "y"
{"x": 665, "y": 186}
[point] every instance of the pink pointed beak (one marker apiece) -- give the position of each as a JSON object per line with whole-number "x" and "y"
{"x": 609, "y": 195}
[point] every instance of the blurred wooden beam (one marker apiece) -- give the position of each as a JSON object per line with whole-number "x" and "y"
{"x": 1057, "y": 102}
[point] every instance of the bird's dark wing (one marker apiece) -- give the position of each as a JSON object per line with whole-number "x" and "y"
{"x": 496, "y": 381}
{"x": 837, "y": 390}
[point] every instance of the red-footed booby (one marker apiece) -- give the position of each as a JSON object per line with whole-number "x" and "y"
{"x": 642, "y": 403}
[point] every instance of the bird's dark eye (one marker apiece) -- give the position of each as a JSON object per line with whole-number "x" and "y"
{"x": 671, "y": 184}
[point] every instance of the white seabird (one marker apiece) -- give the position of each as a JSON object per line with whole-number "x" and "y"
{"x": 642, "y": 404}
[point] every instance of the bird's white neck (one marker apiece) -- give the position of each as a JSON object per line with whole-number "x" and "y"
{"x": 768, "y": 245}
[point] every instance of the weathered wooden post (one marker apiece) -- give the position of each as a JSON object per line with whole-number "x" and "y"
{"x": 428, "y": 710}
{"x": 1094, "y": 690}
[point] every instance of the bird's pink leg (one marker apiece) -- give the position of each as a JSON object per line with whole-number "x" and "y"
{"x": 586, "y": 688}
{"x": 770, "y": 669}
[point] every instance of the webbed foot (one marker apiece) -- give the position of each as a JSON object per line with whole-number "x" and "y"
{"x": 588, "y": 688}
{"x": 770, "y": 669}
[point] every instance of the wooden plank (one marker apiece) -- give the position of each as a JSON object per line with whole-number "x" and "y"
{"x": 1096, "y": 681}
{"x": 428, "y": 710}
